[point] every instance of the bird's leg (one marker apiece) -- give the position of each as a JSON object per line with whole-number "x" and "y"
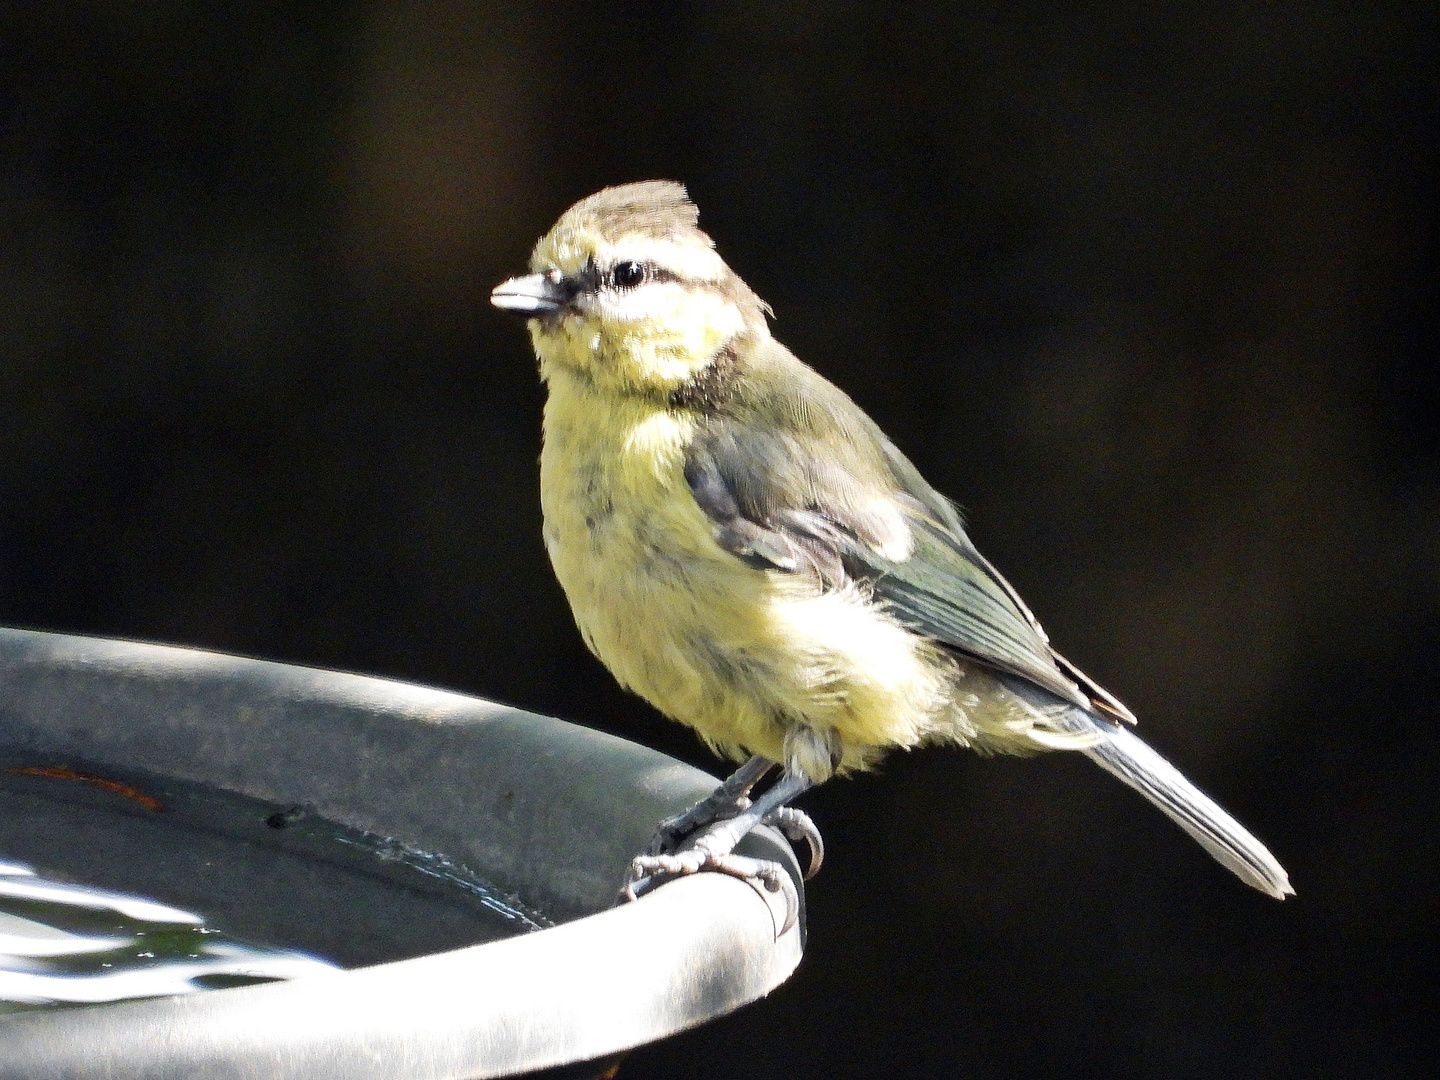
{"x": 727, "y": 800}
{"x": 713, "y": 847}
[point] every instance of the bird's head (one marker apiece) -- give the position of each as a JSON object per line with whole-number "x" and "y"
{"x": 629, "y": 294}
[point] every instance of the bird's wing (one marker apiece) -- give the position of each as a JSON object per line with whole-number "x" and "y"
{"x": 944, "y": 522}
{"x": 871, "y": 518}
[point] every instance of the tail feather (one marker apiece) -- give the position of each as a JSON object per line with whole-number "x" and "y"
{"x": 1125, "y": 756}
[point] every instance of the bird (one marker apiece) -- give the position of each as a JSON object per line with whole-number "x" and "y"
{"x": 744, "y": 548}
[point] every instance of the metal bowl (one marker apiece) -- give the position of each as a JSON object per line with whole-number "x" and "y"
{"x": 548, "y": 811}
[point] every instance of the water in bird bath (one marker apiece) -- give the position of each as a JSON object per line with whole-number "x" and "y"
{"x": 116, "y": 887}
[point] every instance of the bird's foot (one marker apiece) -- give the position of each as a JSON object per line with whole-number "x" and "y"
{"x": 705, "y": 836}
{"x": 729, "y": 800}
{"x": 670, "y": 835}
{"x": 713, "y": 850}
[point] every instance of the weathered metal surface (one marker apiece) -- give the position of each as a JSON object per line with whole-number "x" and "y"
{"x": 548, "y": 811}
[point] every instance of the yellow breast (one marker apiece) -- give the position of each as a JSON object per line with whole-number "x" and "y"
{"x": 741, "y": 655}
{"x": 632, "y": 550}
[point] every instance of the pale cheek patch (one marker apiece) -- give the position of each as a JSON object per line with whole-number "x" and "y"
{"x": 708, "y": 321}
{"x": 669, "y": 311}
{"x": 655, "y": 302}
{"x": 681, "y": 336}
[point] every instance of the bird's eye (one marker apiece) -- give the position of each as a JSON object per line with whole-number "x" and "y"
{"x": 627, "y": 275}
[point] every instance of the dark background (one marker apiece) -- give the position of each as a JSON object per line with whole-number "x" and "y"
{"x": 1149, "y": 288}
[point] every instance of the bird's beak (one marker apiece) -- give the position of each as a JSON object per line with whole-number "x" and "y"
{"x": 533, "y": 294}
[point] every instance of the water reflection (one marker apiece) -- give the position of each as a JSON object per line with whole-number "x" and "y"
{"x": 67, "y": 944}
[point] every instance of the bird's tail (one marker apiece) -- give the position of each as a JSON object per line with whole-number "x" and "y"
{"x": 1122, "y": 754}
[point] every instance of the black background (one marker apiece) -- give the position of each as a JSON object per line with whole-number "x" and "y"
{"x": 1149, "y": 288}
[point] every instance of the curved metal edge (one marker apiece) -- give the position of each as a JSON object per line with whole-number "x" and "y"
{"x": 692, "y": 950}
{"x": 442, "y": 771}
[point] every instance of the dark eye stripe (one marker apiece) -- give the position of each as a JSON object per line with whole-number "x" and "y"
{"x": 629, "y": 275}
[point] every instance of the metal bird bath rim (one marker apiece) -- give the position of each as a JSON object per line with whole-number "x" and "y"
{"x": 549, "y": 811}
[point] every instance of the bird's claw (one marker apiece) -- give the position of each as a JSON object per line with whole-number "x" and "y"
{"x": 797, "y": 825}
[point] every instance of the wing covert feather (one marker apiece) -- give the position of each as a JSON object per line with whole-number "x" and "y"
{"x": 848, "y": 516}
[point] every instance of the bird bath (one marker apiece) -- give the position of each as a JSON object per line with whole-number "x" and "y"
{"x": 457, "y": 858}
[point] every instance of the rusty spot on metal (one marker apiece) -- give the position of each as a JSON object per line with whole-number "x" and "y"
{"x": 59, "y": 772}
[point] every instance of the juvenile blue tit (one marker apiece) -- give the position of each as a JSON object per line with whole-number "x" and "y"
{"x": 745, "y": 549}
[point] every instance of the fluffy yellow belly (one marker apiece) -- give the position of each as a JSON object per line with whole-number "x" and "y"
{"x": 744, "y": 656}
